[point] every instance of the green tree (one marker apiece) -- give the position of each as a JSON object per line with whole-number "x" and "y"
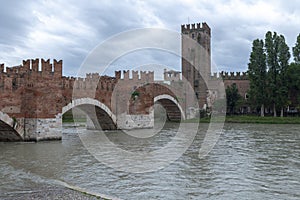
{"x": 293, "y": 76}
{"x": 257, "y": 71}
{"x": 232, "y": 97}
{"x": 271, "y": 47}
{"x": 283, "y": 58}
{"x": 293, "y": 79}
{"x": 278, "y": 55}
{"x": 296, "y": 50}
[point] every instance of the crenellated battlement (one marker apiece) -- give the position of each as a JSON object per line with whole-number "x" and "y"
{"x": 32, "y": 73}
{"x": 90, "y": 82}
{"x": 31, "y": 66}
{"x": 44, "y": 68}
{"x": 171, "y": 75}
{"x": 107, "y": 83}
{"x": 147, "y": 76}
{"x": 230, "y": 76}
{"x": 2, "y": 68}
{"x": 198, "y": 27}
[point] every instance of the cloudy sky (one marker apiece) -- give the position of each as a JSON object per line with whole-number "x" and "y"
{"x": 70, "y": 30}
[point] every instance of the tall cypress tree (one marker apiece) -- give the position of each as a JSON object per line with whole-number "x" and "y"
{"x": 272, "y": 46}
{"x": 293, "y": 79}
{"x": 293, "y": 75}
{"x": 296, "y": 50}
{"x": 283, "y": 63}
{"x": 257, "y": 71}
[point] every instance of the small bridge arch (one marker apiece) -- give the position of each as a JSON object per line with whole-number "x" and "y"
{"x": 173, "y": 108}
{"x": 10, "y": 129}
{"x": 100, "y": 115}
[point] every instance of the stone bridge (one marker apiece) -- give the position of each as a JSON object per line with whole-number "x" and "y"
{"x": 35, "y": 95}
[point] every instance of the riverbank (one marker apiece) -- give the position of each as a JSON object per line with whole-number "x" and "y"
{"x": 249, "y": 119}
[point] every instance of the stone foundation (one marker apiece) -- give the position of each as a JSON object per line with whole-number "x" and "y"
{"x": 135, "y": 121}
{"x": 128, "y": 122}
{"x": 43, "y": 129}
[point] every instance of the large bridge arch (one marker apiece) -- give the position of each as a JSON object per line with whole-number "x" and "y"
{"x": 173, "y": 108}
{"x": 10, "y": 129}
{"x": 100, "y": 115}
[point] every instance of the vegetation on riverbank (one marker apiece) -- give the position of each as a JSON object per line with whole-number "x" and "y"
{"x": 228, "y": 119}
{"x": 71, "y": 120}
{"x": 274, "y": 80}
{"x": 68, "y": 118}
{"x": 249, "y": 119}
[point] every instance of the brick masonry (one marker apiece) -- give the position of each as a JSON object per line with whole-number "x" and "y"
{"x": 36, "y": 93}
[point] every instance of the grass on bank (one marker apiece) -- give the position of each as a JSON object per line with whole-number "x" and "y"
{"x": 71, "y": 120}
{"x": 249, "y": 119}
{"x": 68, "y": 118}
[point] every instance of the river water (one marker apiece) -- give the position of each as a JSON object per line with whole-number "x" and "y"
{"x": 249, "y": 161}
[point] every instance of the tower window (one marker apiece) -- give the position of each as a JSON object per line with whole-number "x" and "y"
{"x": 193, "y": 35}
{"x": 199, "y": 38}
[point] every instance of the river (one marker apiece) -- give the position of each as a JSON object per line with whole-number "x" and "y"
{"x": 249, "y": 161}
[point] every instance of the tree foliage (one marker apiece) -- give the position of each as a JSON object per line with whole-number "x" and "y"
{"x": 283, "y": 58}
{"x": 293, "y": 75}
{"x": 293, "y": 79}
{"x": 278, "y": 55}
{"x": 257, "y": 72}
{"x": 270, "y": 73}
{"x": 232, "y": 97}
{"x": 296, "y": 50}
{"x": 272, "y": 45}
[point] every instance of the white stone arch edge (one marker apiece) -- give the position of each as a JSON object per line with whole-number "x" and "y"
{"x": 169, "y": 97}
{"x": 14, "y": 124}
{"x": 89, "y": 101}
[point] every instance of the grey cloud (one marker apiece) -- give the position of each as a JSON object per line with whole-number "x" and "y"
{"x": 94, "y": 22}
{"x": 14, "y": 21}
{"x": 111, "y": 18}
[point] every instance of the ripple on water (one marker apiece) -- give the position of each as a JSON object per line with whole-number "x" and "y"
{"x": 248, "y": 162}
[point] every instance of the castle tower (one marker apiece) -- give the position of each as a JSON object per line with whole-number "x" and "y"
{"x": 196, "y": 57}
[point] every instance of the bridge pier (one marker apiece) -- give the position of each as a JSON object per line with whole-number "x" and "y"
{"x": 30, "y": 129}
{"x": 125, "y": 121}
{"x": 38, "y": 129}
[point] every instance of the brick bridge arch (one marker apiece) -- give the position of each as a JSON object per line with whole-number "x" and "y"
{"x": 151, "y": 93}
{"x": 10, "y": 129}
{"x": 99, "y": 114}
{"x": 173, "y": 108}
